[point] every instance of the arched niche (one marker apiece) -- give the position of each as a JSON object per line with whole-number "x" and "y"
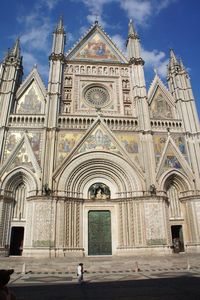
{"x": 106, "y": 168}
{"x": 99, "y": 190}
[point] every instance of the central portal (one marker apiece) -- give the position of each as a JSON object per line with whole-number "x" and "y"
{"x": 99, "y": 232}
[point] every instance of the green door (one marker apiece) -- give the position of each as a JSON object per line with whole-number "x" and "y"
{"x": 99, "y": 233}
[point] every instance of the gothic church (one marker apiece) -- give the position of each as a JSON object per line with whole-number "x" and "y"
{"x": 94, "y": 163}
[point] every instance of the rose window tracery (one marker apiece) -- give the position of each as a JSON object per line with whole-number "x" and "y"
{"x": 97, "y": 96}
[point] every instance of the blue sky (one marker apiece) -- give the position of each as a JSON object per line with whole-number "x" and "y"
{"x": 161, "y": 24}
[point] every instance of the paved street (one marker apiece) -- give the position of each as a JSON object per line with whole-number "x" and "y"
{"x": 140, "y": 286}
{"x": 163, "y": 284}
{"x": 171, "y": 277}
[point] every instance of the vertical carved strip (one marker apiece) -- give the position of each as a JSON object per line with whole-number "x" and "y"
{"x": 78, "y": 225}
{"x": 121, "y": 237}
{"x": 132, "y": 233}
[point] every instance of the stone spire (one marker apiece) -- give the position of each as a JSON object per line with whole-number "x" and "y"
{"x": 133, "y": 45}
{"x": 59, "y": 38}
{"x": 16, "y": 49}
{"x": 131, "y": 29}
{"x": 173, "y": 61}
{"x": 60, "y": 26}
{"x": 180, "y": 87}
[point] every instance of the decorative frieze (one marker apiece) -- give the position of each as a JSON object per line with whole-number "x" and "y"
{"x": 100, "y": 70}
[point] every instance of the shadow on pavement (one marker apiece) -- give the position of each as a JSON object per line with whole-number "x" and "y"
{"x": 182, "y": 287}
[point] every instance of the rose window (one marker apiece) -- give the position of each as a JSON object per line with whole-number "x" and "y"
{"x": 97, "y": 96}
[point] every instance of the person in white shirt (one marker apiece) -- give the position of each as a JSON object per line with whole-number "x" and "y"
{"x": 80, "y": 272}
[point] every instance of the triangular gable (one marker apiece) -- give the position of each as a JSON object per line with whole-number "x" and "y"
{"x": 22, "y": 155}
{"x": 99, "y": 138}
{"x": 160, "y": 100}
{"x": 96, "y": 46}
{"x": 172, "y": 158}
{"x": 31, "y": 95}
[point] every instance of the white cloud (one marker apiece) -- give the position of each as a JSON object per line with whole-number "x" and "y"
{"x": 120, "y": 42}
{"x": 140, "y": 11}
{"x": 159, "y": 5}
{"x": 37, "y": 36}
{"x": 92, "y": 18}
{"x": 50, "y": 3}
{"x": 29, "y": 61}
{"x": 155, "y": 59}
{"x": 96, "y": 8}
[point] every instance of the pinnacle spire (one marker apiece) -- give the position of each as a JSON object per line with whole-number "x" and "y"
{"x": 131, "y": 29}
{"x": 16, "y": 49}
{"x": 182, "y": 65}
{"x": 173, "y": 56}
{"x": 60, "y": 26}
{"x": 173, "y": 61}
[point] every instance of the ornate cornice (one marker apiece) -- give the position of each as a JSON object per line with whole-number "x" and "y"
{"x": 137, "y": 61}
{"x": 55, "y": 56}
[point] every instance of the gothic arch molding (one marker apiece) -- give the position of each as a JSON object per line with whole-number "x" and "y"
{"x": 179, "y": 179}
{"x": 89, "y": 168}
{"x": 20, "y": 175}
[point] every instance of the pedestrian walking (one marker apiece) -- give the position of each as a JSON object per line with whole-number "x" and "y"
{"x": 80, "y": 272}
{"x": 5, "y": 293}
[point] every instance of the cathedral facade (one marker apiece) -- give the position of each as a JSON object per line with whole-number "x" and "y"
{"x": 94, "y": 163}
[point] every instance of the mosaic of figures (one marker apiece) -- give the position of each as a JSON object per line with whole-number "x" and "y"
{"x": 13, "y": 139}
{"x": 131, "y": 143}
{"x": 98, "y": 140}
{"x": 160, "y": 141}
{"x": 97, "y": 49}
{"x": 171, "y": 161}
{"x": 160, "y": 108}
{"x": 96, "y": 70}
{"x": 66, "y": 141}
{"x": 30, "y": 103}
{"x": 22, "y": 159}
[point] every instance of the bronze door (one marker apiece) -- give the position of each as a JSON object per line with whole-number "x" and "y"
{"x": 99, "y": 233}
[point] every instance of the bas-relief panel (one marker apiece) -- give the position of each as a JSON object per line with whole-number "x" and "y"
{"x": 14, "y": 137}
{"x": 99, "y": 141}
{"x": 160, "y": 108}
{"x": 96, "y": 49}
{"x": 30, "y": 104}
{"x": 66, "y": 141}
{"x": 155, "y": 229}
{"x": 43, "y": 225}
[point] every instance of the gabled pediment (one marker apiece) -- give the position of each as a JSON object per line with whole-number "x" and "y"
{"x": 172, "y": 158}
{"x": 98, "y": 138}
{"x": 96, "y": 45}
{"x": 22, "y": 155}
{"x": 160, "y": 100}
{"x": 30, "y": 97}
